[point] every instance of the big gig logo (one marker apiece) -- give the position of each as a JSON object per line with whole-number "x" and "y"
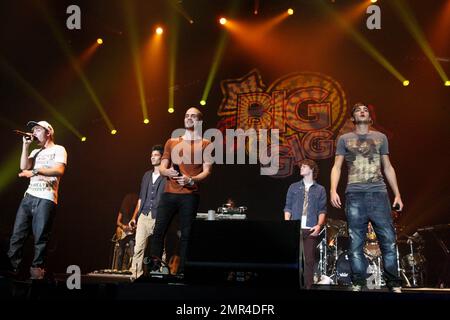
{"x": 307, "y": 108}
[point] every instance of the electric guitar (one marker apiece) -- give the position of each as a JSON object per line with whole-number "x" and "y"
{"x": 123, "y": 233}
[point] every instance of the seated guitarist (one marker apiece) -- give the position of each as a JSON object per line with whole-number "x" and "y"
{"x": 124, "y": 237}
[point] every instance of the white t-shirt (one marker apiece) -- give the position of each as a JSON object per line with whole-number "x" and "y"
{"x": 155, "y": 176}
{"x": 42, "y": 186}
{"x": 304, "y": 218}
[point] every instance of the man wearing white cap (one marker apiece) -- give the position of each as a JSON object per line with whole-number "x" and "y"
{"x": 44, "y": 167}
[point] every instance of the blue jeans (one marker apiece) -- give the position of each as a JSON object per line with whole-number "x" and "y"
{"x": 123, "y": 253}
{"x": 186, "y": 206}
{"x": 36, "y": 215}
{"x": 362, "y": 207}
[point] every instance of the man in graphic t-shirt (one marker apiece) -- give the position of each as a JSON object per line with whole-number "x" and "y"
{"x": 44, "y": 167}
{"x": 365, "y": 152}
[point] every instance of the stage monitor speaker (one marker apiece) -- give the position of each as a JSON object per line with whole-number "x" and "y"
{"x": 248, "y": 252}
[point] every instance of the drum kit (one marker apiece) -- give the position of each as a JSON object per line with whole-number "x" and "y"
{"x": 334, "y": 263}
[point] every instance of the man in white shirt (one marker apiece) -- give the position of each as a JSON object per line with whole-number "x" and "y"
{"x": 44, "y": 167}
{"x": 152, "y": 187}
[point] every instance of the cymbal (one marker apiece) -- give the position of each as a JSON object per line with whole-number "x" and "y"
{"x": 337, "y": 228}
{"x": 336, "y": 223}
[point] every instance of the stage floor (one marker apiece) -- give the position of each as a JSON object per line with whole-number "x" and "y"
{"x": 174, "y": 289}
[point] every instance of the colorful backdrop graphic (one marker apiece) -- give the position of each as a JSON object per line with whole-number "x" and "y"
{"x": 307, "y": 108}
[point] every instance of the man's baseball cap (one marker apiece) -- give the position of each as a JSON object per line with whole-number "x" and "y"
{"x": 44, "y": 124}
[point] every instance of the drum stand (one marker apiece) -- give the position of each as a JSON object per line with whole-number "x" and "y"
{"x": 323, "y": 261}
{"x": 322, "y": 255}
{"x": 401, "y": 272}
{"x": 378, "y": 277}
{"x": 114, "y": 258}
{"x": 413, "y": 264}
{"x": 336, "y": 257}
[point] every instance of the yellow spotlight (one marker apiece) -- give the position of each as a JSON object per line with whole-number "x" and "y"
{"x": 113, "y": 131}
{"x": 290, "y": 11}
{"x": 447, "y": 83}
{"x": 99, "y": 40}
{"x": 171, "y": 110}
{"x": 146, "y": 121}
{"x": 159, "y": 30}
{"x": 191, "y": 21}
{"x": 202, "y": 102}
{"x": 223, "y": 21}
{"x": 373, "y": 1}
{"x": 83, "y": 139}
{"x": 406, "y": 83}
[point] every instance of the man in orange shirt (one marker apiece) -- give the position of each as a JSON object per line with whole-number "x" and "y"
{"x": 184, "y": 165}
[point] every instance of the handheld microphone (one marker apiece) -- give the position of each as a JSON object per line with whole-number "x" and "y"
{"x": 177, "y": 168}
{"x": 27, "y": 135}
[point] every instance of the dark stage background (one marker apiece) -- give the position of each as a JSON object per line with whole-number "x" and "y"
{"x": 106, "y": 167}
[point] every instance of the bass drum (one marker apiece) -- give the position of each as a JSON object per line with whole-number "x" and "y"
{"x": 343, "y": 270}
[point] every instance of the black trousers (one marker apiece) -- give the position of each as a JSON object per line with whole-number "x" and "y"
{"x": 185, "y": 205}
{"x": 309, "y": 251}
